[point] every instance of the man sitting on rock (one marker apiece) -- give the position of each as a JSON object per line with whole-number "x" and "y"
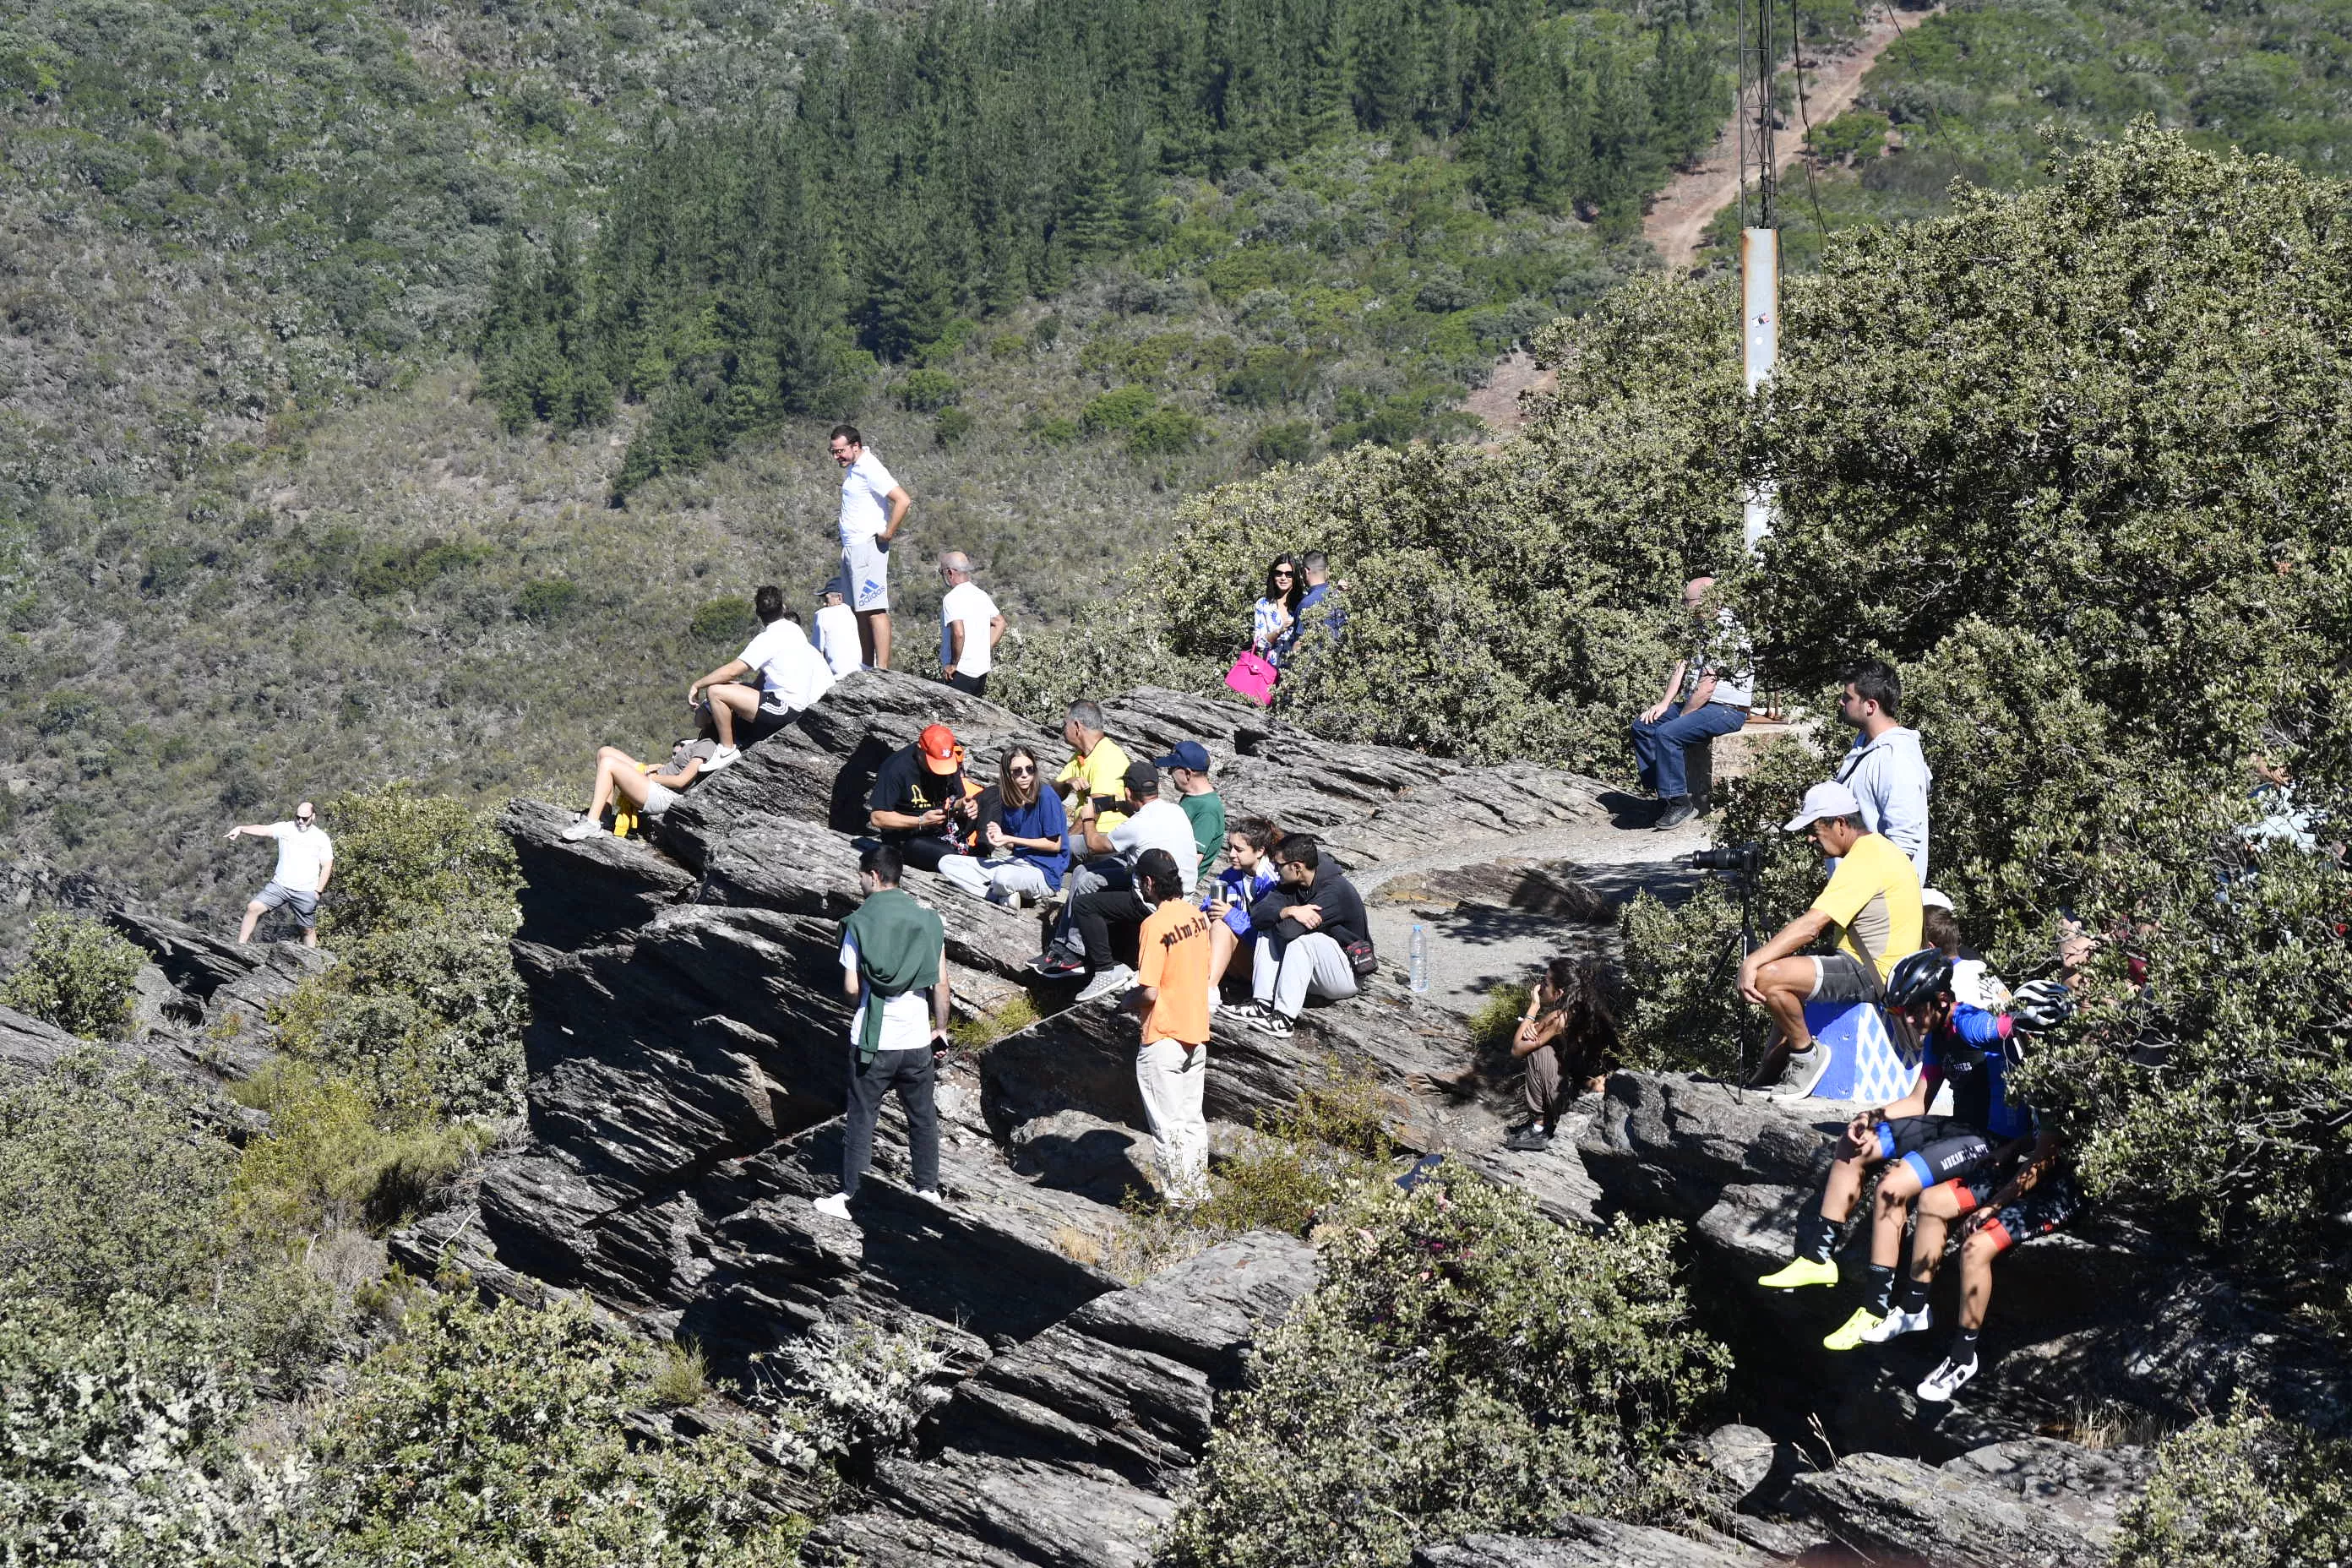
{"x": 1708, "y": 692}
{"x": 1959, "y": 1043}
{"x": 791, "y": 676}
{"x": 2035, "y": 1197}
{"x": 1187, "y": 768}
{"x": 1305, "y": 928}
{"x": 1149, "y": 823}
{"x": 921, "y": 804}
{"x": 892, "y": 950}
{"x": 1872, "y": 902}
{"x": 1093, "y": 779}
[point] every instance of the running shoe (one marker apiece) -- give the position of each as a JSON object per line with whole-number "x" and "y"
{"x": 1111, "y": 982}
{"x": 1276, "y": 1025}
{"x": 581, "y": 827}
{"x": 724, "y": 757}
{"x": 833, "y": 1207}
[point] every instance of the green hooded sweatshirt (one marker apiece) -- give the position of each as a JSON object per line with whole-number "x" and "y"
{"x": 899, "y": 944}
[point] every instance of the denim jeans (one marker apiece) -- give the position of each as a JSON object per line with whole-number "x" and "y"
{"x": 1659, "y": 747}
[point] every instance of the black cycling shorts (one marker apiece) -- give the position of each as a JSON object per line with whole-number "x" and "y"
{"x": 1935, "y": 1148}
{"x": 2055, "y": 1200}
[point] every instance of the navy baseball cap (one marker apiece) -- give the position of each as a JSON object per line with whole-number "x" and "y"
{"x": 1188, "y": 754}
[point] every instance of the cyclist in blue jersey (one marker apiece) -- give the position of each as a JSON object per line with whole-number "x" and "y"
{"x": 1962, "y": 1046}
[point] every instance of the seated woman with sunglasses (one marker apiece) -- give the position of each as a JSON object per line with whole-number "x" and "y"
{"x": 1022, "y": 828}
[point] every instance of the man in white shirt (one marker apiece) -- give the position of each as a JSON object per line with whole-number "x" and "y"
{"x": 1886, "y": 768}
{"x": 1708, "y": 694}
{"x": 873, "y": 505}
{"x": 792, "y": 676}
{"x": 836, "y": 631}
{"x": 969, "y": 626}
{"x": 306, "y": 858}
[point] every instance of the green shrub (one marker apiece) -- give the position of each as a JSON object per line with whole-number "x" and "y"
{"x": 1496, "y": 1025}
{"x": 326, "y": 1165}
{"x": 729, "y": 621}
{"x": 1465, "y": 1364}
{"x": 79, "y": 974}
{"x": 546, "y": 599}
{"x": 499, "y": 1434}
{"x": 1117, "y": 411}
{"x": 1163, "y": 432}
{"x": 836, "y": 1390}
{"x": 951, "y": 427}
{"x": 1292, "y": 441}
{"x": 681, "y": 1379}
{"x": 926, "y": 391}
{"x": 401, "y": 855}
{"x": 2244, "y": 1491}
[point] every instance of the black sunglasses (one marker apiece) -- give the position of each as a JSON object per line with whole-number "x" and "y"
{"x": 1024, "y": 773}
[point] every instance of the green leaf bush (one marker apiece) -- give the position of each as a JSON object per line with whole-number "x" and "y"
{"x": 2242, "y": 1491}
{"x": 79, "y": 974}
{"x": 1465, "y": 1364}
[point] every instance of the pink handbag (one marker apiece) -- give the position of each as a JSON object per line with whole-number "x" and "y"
{"x": 1252, "y": 676}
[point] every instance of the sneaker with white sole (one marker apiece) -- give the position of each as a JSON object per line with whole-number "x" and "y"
{"x": 1946, "y": 1380}
{"x": 581, "y": 827}
{"x": 1898, "y": 1323}
{"x": 835, "y": 1207}
{"x": 1248, "y": 1012}
{"x": 930, "y": 1194}
{"x": 1111, "y": 982}
{"x": 1803, "y": 1072}
{"x": 1276, "y": 1025}
{"x": 724, "y": 757}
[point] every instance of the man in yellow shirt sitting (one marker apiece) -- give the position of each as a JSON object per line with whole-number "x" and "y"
{"x": 1094, "y": 781}
{"x": 1872, "y": 902}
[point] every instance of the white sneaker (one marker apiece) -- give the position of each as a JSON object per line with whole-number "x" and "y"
{"x": 724, "y": 757}
{"x": 1899, "y": 1322}
{"x": 581, "y": 827}
{"x": 1216, "y": 1004}
{"x": 1109, "y": 983}
{"x": 930, "y": 1194}
{"x": 1946, "y": 1380}
{"x": 835, "y": 1207}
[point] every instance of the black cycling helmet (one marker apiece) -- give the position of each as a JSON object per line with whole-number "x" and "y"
{"x": 1918, "y": 980}
{"x": 2040, "y": 1005}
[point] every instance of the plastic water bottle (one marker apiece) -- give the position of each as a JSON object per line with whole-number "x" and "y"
{"x": 1420, "y": 957}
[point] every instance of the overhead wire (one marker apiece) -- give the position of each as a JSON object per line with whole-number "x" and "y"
{"x": 1797, "y": 53}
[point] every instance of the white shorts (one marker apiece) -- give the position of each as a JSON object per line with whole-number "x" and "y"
{"x": 659, "y": 798}
{"x": 865, "y": 567}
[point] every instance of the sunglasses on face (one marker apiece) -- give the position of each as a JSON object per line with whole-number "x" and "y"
{"x": 1024, "y": 773}
{"x": 1284, "y": 576}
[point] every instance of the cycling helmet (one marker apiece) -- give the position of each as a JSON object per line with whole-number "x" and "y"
{"x": 2040, "y": 1005}
{"x": 1918, "y": 980}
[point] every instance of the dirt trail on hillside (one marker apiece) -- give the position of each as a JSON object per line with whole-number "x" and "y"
{"x": 1678, "y": 219}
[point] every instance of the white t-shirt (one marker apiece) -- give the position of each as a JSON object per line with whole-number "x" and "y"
{"x": 837, "y": 639}
{"x": 866, "y": 487}
{"x": 790, "y": 672}
{"x": 1726, "y": 653}
{"x": 302, "y": 854}
{"x": 968, "y": 602}
{"x": 1160, "y": 824}
{"x": 906, "y": 1017}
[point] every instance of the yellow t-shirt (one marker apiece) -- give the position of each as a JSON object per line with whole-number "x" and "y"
{"x": 1873, "y": 896}
{"x": 1104, "y": 770}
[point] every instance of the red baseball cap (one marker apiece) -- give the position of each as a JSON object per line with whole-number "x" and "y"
{"x": 941, "y": 752}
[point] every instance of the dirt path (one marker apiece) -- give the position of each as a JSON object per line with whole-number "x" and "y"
{"x": 1677, "y": 220}
{"x": 1498, "y": 402}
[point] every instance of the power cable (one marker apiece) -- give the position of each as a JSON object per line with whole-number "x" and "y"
{"x": 1797, "y": 53}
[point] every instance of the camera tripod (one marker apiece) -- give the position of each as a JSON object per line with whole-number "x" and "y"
{"x": 1744, "y": 881}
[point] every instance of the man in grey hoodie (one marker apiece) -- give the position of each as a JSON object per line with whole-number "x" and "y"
{"x": 1886, "y": 768}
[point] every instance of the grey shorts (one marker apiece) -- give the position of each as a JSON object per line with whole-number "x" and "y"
{"x": 304, "y": 905}
{"x": 1841, "y": 977}
{"x": 658, "y": 798}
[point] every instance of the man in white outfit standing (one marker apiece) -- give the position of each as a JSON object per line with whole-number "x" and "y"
{"x": 306, "y": 858}
{"x": 970, "y": 627}
{"x": 1886, "y": 768}
{"x": 873, "y": 505}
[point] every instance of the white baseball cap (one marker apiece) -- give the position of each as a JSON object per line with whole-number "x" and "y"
{"x": 1824, "y": 800}
{"x": 1934, "y": 899}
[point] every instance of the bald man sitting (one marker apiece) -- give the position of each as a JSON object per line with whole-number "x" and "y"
{"x": 969, "y": 626}
{"x": 1708, "y": 694}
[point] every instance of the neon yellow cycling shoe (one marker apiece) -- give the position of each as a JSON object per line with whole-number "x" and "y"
{"x": 1801, "y": 1271}
{"x": 1850, "y": 1332}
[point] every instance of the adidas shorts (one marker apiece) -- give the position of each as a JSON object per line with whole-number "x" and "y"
{"x": 865, "y": 567}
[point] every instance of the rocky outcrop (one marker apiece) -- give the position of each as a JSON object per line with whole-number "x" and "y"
{"x": 2102, "y": 1312}
{"x": 2030, "y": 1504}
{"x": 1582, "y": 1542}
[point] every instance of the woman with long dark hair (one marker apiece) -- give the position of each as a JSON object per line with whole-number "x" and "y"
{"x": 1248, "y": 877}
{"x": 1021, "y": 832}
{"x": 1567, "y": 1038}
{"x": 1274, "y": 625}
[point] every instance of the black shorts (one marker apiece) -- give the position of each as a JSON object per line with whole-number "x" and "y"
{"x": 2055, "y": 1200}
{"x": 976, "y": 685}
{"x": 1935, "y": 1148}
{"x": 766, "y": 723}
{"x": 1841, "y": 977}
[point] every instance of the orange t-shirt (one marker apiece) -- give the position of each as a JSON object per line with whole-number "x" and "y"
{"x": 1173, "y": 955}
